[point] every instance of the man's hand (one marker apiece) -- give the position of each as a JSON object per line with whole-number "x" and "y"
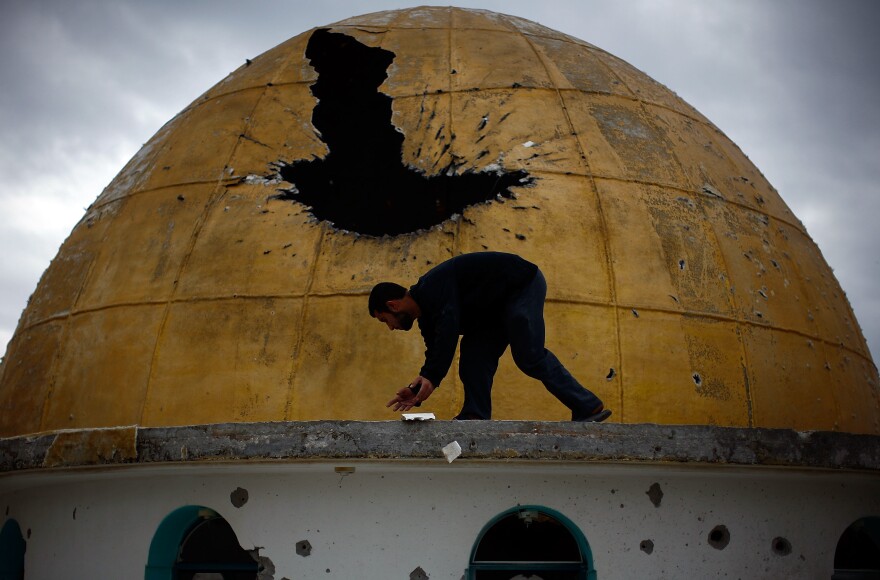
{"x": 411, "y": 395}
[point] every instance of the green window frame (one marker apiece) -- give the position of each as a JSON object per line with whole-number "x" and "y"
{"x": 163, "y": 562}
{"x": 582, "y": 568}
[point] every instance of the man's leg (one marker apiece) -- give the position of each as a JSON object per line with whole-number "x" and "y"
{"x": 477, "y": 366}
{"x": 525, "y": 328}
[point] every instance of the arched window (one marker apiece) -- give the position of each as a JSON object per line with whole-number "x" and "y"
{"x": 12, "y": 548}
{"x": 857, "y": 556}
{"x": 195, "y": 542}
{"x": 531, "y": 542}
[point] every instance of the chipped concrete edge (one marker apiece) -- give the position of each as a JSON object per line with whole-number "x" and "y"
{"x": 424, "y": 440}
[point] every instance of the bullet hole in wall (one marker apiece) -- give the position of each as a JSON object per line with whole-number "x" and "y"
{"x": 265, "y": 566}
{"x": 698, "y": 380}
{"x": 610, "y": 374}
{"x": 304, "y": 548}
{"x": 719, "y": 537}
{"x": 655, "y": 494}
{"x": 781, "y": 546}
{"x": 646, "y": 546}
{"x": 362, "y": 184}
{"x": 238, "y": 497}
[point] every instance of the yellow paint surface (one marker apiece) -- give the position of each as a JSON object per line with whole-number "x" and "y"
{"x": 682, "y": 289}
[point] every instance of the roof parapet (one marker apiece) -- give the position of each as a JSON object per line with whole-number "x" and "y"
{"x": 424, "y": 440}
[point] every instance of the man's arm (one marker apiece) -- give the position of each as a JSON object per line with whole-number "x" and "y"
{"x": 441, "y": 341}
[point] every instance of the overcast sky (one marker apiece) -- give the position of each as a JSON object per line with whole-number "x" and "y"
{"x": 83, "y": 84}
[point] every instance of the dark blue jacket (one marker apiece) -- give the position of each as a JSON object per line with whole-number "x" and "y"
{"x": 463, "y": 295}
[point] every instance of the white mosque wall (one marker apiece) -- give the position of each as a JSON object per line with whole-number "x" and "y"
{"x": 389, "y": 519}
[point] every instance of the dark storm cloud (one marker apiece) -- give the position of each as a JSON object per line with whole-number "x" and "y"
{"x": 793, "y": 83}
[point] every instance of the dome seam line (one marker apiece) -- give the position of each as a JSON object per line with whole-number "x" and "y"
{"x": 296, "y": 356}
{"x": 218, "y": 193}
{"x": 609, "y": 265}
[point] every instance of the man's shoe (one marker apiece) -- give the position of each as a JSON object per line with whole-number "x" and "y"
{"x": 596, "y": 417}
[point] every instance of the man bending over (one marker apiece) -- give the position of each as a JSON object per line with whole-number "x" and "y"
{"x": 491, "y": 300}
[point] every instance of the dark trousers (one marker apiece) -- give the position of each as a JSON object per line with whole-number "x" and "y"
{"x": 523, "y": 330}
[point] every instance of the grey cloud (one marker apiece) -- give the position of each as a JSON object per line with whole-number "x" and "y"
{"x": 791, "y": 82}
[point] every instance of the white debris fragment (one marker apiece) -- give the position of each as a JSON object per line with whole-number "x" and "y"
{"x": 260, "y": 180}
{"x": 418, "y": 416}
{"x": 452, "y": 451}
{"x": 529, "y": 144}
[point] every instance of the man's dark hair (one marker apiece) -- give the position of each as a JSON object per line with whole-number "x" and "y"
{"x": 382, "y": 293}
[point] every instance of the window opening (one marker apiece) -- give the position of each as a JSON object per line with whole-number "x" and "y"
{"x": 196, "y": 543}
{"x": 531, "y": 542}
{"x": 211, "y": 546}
{"x": 362, "y": 184}
{"x": 12, "y": 549}
{"x": 857, "y": 556}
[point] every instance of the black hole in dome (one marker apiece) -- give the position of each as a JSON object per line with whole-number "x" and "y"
{"x": 362, "y": 184}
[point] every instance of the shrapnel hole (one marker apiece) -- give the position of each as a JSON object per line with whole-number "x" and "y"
{"x": 362, "y": 184}
{"x": 719, "y": 537}
{"x": 781, "y": 546}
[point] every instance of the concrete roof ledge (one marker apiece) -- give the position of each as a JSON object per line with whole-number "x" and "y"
{"x": 479, "y": 440}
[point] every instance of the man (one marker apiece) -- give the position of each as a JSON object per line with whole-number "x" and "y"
{"x": 492, "y": 300}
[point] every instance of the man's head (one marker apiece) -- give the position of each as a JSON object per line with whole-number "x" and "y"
{"x": 388, "y": 305}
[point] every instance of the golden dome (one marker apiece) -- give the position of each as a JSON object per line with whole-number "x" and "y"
{"x": 212, "y": 281}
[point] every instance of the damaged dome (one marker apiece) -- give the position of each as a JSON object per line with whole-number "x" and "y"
{"x": 222, "y": 275}
{"x": 362, "y": 184}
